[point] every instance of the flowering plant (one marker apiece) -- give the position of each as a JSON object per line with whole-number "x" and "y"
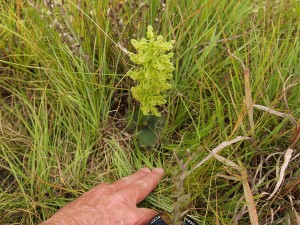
{"x": 152, "y": 72}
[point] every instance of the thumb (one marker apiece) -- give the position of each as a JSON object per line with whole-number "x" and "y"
{"x": 145, "y": 215}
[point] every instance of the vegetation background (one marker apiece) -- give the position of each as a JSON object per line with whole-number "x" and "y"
{"x": 69, "y": 122}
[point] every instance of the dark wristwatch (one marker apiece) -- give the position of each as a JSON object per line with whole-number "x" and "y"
{"x": 159, "y": 220}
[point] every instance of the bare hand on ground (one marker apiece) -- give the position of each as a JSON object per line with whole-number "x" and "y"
{"x": 111, "y": 204}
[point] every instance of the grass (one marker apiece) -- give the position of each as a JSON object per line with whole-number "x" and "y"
{"x": 66, "y": 108}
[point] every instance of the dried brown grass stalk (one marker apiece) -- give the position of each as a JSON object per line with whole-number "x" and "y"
{"x": 272, "y": 111}
{"x": 248, "y": 96}
{"x": 296, "y": 136}
{"x": 243, "y": 177}
{"x": 287, "y": 158}
{"x": 224, "y": 144}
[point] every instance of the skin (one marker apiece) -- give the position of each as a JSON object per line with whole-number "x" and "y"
{"x": 111, "y": 204}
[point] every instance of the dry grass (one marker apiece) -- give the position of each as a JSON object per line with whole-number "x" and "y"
{"x": 68, "y": 121}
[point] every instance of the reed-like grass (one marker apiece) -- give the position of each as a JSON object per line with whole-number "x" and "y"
{"x": 66, "y": 109}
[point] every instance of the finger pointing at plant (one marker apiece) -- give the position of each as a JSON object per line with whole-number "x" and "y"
{"x": 111, "y": 204}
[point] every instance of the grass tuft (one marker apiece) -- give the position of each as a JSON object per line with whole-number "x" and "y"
{"x": 66, "y": 110}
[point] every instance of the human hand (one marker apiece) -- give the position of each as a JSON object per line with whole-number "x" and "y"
{"x": 112, "y": 204}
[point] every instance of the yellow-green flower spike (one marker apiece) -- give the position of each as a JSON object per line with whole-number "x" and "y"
{"x": 154, "y": 71}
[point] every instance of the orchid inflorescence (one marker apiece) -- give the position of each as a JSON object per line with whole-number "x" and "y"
{"x": 154, "y": 71}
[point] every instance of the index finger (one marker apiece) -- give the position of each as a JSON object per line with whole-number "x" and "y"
{"x": 141, "y": 188}
{"x": 126, "y": 181}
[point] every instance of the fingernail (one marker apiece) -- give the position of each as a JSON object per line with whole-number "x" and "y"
{"x": 159, "y": 170}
